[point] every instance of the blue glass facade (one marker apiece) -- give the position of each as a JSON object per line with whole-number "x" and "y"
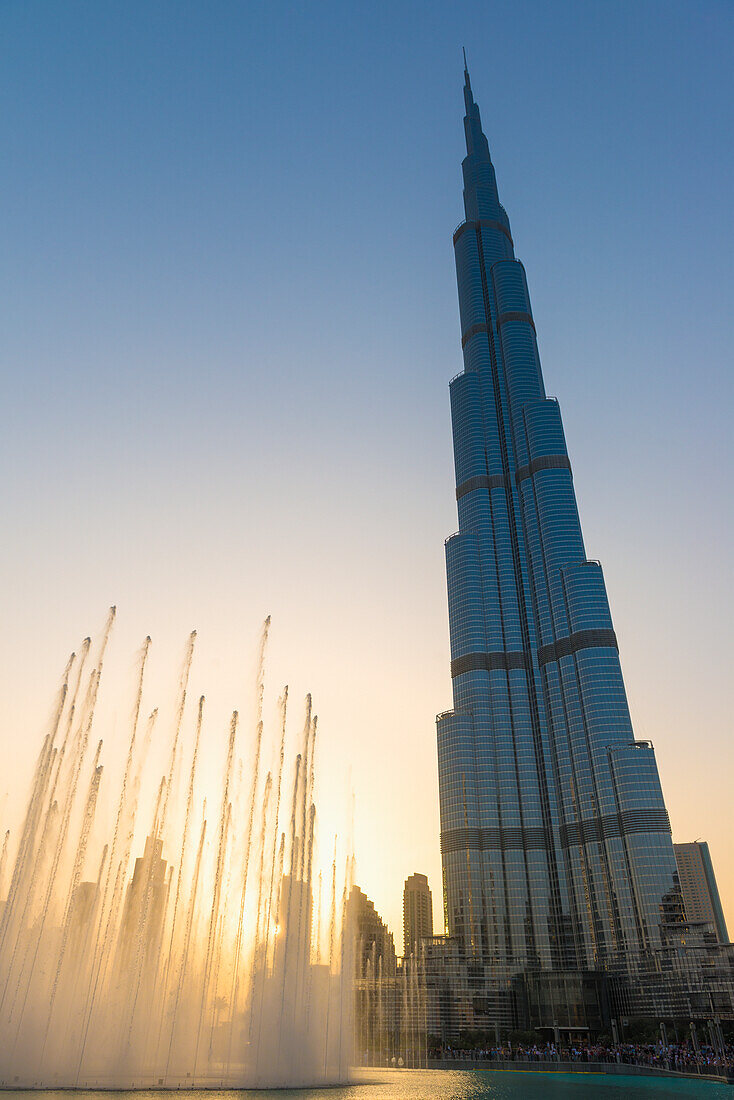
{"x": 555, "y": 839}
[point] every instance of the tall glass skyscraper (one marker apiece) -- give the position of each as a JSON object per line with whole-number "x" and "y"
{"x": 555, "y": 839}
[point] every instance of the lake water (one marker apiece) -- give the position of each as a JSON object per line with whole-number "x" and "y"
{"x": 454, "y": 1085}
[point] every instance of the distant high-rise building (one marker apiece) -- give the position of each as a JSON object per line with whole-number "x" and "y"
{"x": 374, "y": 954}
{"x": 81, "y": 913}
{"x": 144, "y": 908}
{"x": 417, "y": 912}
{"x": 701, "y": 899}
{"x": 389, "y": 1004}
{"x": 556, "y": 844}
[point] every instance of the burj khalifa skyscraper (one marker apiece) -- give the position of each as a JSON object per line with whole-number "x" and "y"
{"x": 555, "y": 839}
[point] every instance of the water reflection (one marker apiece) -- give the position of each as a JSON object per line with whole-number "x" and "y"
{"x": 457, "y": 1085}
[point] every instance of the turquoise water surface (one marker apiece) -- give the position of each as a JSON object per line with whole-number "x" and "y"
{"x": 453, "y": 1085}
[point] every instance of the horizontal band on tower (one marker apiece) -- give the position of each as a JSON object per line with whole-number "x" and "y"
{"x": 482, "y": 840}
{"x": 498, "y": 481}
{"x": 483, "y": 223}
{"x": 608, "y": 827}
{"x": 516, "y": 315}
{"x": 488, "y": 662}
{"x": 481, "y": 481}
{"x": 614, "y": 826}
{"x": 545, "y": 462}
{"x": 482, "y": 326}
{"x": 564, "y": 647}
{"x": 582, "y": 639}
{"x": 472, "y": 331}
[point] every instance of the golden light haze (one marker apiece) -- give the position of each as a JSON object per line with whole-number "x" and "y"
{"x": 371, "y": 645}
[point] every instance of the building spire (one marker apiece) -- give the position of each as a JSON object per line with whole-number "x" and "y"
{"x": 468, "y": 97}
{"x": 476, "y": 142}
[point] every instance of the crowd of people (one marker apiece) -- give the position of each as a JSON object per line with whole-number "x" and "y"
{"x": 675, "y": 1057}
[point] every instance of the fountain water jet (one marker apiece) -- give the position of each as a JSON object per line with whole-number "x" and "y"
{"x": 176, "y": 967}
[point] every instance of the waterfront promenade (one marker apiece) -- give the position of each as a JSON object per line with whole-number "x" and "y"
{"x": 645, "y": 1060}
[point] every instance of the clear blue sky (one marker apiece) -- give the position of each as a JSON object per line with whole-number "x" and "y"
{"x": 230, "y": 316}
